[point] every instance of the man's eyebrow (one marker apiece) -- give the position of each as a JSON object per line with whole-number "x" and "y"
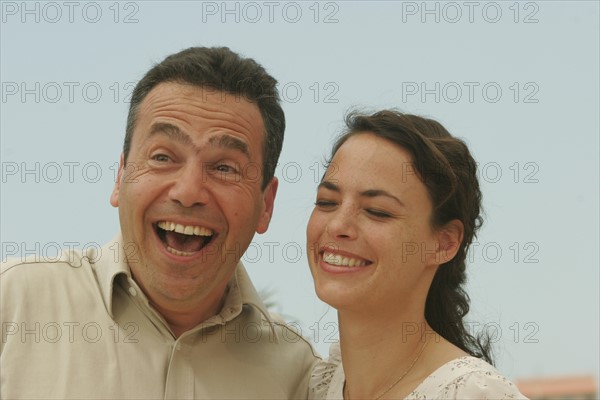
{"x": 229, "y": 142}
{"x": 172, "y": 131}
{"x": 367, "y": 193}
{"x": 224, "y": 140}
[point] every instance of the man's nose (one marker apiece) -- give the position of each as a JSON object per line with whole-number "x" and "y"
{"x": 190, "y": 187}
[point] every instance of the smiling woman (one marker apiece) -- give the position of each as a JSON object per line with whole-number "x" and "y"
{"x": 395, "y": 214}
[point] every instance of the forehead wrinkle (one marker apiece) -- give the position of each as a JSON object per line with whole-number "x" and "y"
{"x": 171, "y": 131}
{"x": 238, "y": 120}
{"x": 231, "y": 113}
{"x": 222, "y": 141}
{"x": 201, "y": 106}
{"x": 229, "y": 142}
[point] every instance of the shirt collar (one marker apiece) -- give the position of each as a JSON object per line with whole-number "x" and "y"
{"x": 109, "y": 262}
{"x": 242, "y": 291}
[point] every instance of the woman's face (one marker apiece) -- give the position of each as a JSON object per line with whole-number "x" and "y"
{"x": 370, "y": 243}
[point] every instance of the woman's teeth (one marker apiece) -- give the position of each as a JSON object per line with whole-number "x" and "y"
{"x": 336, "y": 259}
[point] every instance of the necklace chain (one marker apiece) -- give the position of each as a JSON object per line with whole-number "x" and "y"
{"x": 410, "y": 367}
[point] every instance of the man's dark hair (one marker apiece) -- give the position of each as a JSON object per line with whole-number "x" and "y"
{"x": 220, "y": 69}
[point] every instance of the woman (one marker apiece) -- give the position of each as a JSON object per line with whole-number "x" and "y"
{"x": 395, "y": 214}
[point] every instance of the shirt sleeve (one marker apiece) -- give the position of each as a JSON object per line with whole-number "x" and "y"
{"x": 323, "y": 373}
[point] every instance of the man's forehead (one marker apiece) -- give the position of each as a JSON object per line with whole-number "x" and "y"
{"x": 202, "y": 93}
{"x": 197, "y": 101}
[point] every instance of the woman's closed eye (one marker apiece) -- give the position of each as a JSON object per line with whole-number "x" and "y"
{"x": 325, "y": 204}
{"x": 378, "y": 213}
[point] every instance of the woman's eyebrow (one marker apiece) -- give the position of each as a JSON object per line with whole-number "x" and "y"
{"x": 381, "y": 192}
{"x": 367, "y": 193}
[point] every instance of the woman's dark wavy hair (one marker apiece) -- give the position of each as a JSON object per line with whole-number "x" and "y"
{"x": 449, "y": 172}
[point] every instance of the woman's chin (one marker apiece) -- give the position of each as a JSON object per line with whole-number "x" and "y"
{"x": 338, "y": 295}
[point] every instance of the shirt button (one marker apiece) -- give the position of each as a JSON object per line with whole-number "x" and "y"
{"x": 132, "y": 291}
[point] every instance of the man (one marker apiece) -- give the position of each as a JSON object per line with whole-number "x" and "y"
{"x": 166, "y": 310}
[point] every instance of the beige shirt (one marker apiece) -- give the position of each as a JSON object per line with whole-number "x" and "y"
{"x": 79, "y": 327}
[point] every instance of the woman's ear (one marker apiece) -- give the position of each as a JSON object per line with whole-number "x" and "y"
{"x": 450, "y": 237}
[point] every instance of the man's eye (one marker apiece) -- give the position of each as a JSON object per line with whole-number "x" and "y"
{"x": 161, "y": 157}
{"x": 224, "y": 168}
{"x": 378, "y": 213}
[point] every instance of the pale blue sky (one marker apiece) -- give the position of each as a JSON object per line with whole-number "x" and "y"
{"x": 518, "y": 81}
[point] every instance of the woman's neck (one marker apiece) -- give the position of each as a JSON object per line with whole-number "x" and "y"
{"x": 378, "y": 349}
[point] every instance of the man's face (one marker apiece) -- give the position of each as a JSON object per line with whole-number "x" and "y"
{"x": 190, "y": 195}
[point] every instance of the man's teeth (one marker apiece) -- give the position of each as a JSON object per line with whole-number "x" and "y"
{"x": 185, "y": 229}
{"x": 336, "y": 259}
{"x": 179, "y": 253}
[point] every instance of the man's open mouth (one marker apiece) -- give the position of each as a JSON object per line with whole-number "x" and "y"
{"x": 183, "y": 240}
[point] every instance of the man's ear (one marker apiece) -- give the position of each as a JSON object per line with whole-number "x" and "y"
{"x": 450, "y": 237}
{"x": 114, "y": 197}
{"x": 268, "y": 202}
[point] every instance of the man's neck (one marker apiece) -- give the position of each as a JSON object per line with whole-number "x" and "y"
{"x": 182, "y": 315}
{"x": 182, "y": 318}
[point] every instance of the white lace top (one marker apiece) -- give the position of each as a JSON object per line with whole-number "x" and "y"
{"x": 463, "y": 378}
